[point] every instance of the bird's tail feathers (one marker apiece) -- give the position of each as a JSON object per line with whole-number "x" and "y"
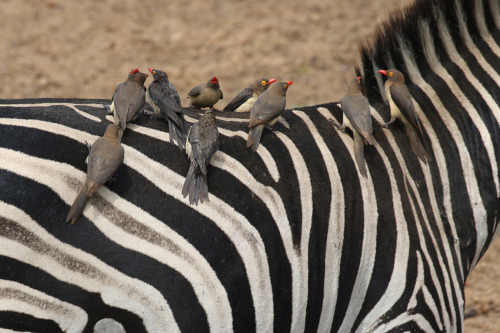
{"x": 189, "y": 179}
{"x": 120, "y": 134}
{"x": 254, "y": 136}
{"x": 359, "y": 153}
{"x": 195, "y": 185}
{"x": 176, "y": 136}
{"x": 417, "y": 145}
{"x": 78, "y": 205}
{"x": 185, "y": 129}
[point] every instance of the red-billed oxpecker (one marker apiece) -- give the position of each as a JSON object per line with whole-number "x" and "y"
{"x": 163, "y": 98}
{"x": 244, "y": 101}
{"x": 105, "y": 157}
{"x": 401, "y": 106}
{"x": 266, "y": 111}
{"x": 205, "y": 94}
{"x": 357, "y": 117}
{"x": 202, "y": 143}
{"x": 128, "y": 100}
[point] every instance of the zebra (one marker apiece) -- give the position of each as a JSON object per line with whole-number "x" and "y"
{"x": 293, "y": 237}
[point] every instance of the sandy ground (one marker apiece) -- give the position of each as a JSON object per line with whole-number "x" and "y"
{"x": 85, "y": 49}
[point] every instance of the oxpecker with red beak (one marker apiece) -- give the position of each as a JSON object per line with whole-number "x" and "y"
{"x": 357, "y": 117}
{"x": 105, "y": 157}
{"x": 266, "y": 111}
{"x": 401, "y": 108}
{"x": 244, "y": 101}
{"x": 202, "y": 143}
{"x": 128, "y": 100}
{"x": 163, "y": 98}
{"x": 205, "y": 94}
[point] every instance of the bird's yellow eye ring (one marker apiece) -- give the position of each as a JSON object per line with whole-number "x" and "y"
{"x": 130, "y": 72}
{"x": 391, "y": 73}
{"x": 264, "y": 83}
{"x": 154, "y": 72}
{"x": 286, "y": 85}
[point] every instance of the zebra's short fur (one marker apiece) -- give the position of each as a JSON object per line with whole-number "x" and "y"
{"x": 293, "y": 238}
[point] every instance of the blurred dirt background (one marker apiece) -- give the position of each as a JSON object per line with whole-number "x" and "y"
{"x": 84, "y": 49}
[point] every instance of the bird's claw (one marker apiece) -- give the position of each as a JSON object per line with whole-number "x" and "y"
{"x": 334, "y": 123}
{"x": 107, "y": 108}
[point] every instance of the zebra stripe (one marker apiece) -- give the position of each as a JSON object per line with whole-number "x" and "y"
{"x": 293, "y": 238}
{"x": 15, "y": 296}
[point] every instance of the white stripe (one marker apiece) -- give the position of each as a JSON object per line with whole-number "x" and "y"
{"x": 438, "y": 68}
{"x": 244, "y": 236}
{"x": 483, "y": 29}
{"x": 69, "y": 105}
{"x": 440, "y": 161}
{"x": 396, "y": 285}
{"x": 264, "y": 154}
{"x": 17, "y": 297}
{"x": 300, "y": 284}
{"x": 469, "y": 43}
{"x": 368, "y": 249}
{"x": 335, "y": 236}
{"x": 478, "y": 209}
{"x": 115, "y": 288}
{"x": 403, "y": 319}
{"x": 495, "y": 12}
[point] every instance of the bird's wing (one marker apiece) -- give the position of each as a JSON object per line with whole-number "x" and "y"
{"x": 196, "y": 146}
{"x": 402, "y": 98}
{"x": 196, "y": 90}
{"x": 241, "y": 98}
{"x": 104, "y": 159}
{"x": 131, "y": 98}
{"x": 166, "y": 102}
{"x": 357, "y": 110}
{"x": 263, "y": 112}
{"x": 173, "y": 93}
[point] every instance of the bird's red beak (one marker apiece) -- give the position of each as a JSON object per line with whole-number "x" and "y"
{"x": 214, "y": 80}
{"x": 290, "y": 83}
{"x": 383, "y": 72}
{"x": 271, "y": 81}
{"x": 135, "y": 71}
{"x": 151, "y": 70}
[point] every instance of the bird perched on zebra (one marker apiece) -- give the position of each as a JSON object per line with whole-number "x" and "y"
{"x": 128, "y": 100}
{"x": 162, "y": 96}
{"x": 401, "y": 108}
{"x": 105, "y": 157}
{"x": 357, "y": 117}
{"x": 205, "y": 94}
{"x": 266, "y": 111}
{"x": 244, "y": 101}
{"x": 201, "y": 145}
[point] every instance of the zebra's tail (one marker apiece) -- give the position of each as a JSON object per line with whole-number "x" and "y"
{"x": 254, "y": 137}
{"x": 78, "y": 205}
{"x": 359, "y": 152}
{"x": 416, "y": 144}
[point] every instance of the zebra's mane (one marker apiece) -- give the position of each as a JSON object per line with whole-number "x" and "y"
{"x": 403, "y": 33}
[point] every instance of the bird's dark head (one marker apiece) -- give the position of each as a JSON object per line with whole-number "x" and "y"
{"x": 393, "y": 75}
{"x": 136, "y": 76}
{"x": 158, "y": 74}
{"x": 261, "y": 84}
